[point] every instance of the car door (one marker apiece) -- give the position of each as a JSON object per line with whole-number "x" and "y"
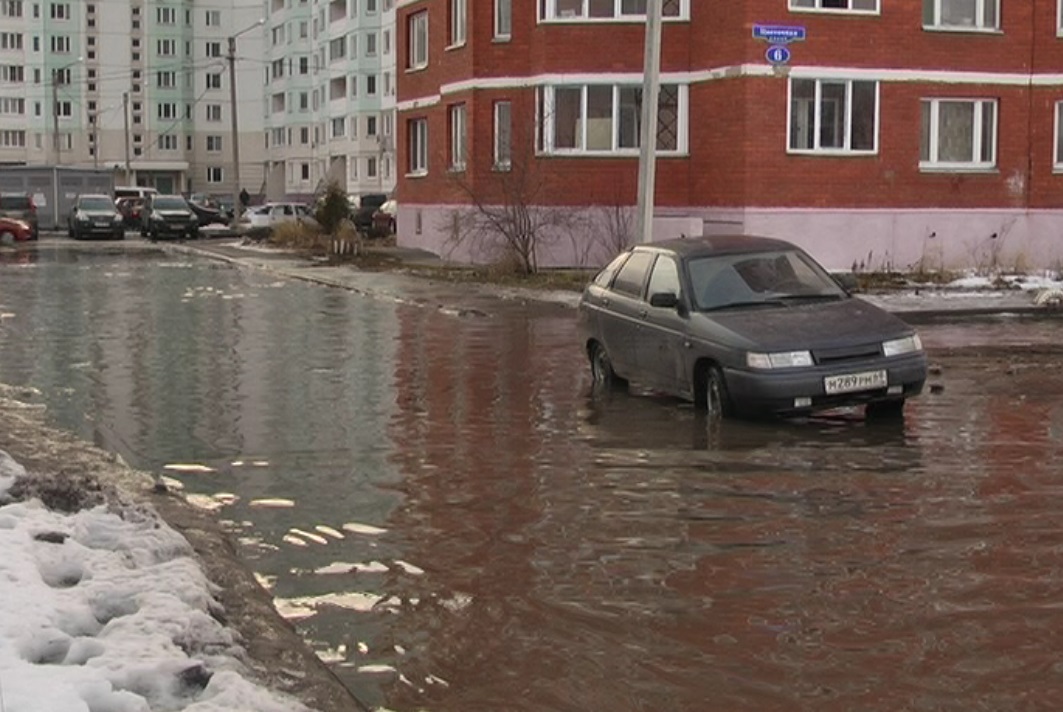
{"x": 621, "y": 313}
{"x": 662, "y": 339}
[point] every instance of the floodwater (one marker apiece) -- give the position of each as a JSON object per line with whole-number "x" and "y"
{"x": 454, "y": 523}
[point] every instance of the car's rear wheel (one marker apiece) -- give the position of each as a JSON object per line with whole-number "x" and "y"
{"x": 716, "y": 400}
{"x": 602, "y": 373}
{"x": 885, "y": 410}
{"x": 7, "y": 237}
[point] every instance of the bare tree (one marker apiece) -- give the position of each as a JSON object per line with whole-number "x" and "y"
{"x": 508, "y": 216}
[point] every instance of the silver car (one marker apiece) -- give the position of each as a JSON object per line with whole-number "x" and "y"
{"x": 748, "y": 326}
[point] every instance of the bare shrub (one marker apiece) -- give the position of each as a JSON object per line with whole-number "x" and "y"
{"x": 298, "y": 236}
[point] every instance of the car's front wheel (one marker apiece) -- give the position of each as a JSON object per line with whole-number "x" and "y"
{"x": 885, "y": 410}
{"x": 717, "y": 402}
{"x": 7, "y": 237}
{"x": 602, "y": 373}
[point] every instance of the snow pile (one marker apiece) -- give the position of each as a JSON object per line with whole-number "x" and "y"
{"x": 107, "y": 612}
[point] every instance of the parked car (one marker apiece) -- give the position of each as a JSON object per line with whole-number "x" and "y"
{"x": 20, "y": 206}
{"x": 95, "y": 215}
{"x": 12, "y": 230}
{"x": 265, "y": 217}
{"x": 746, "y": 326}
{"x": 362, "y": 209}
{"x": 131, "y": 209}
{"x": 168, "y": 216}
{"x": 207, "y": 210}
{"x": 384, "y": 218}
{"x": 133, "y": 191}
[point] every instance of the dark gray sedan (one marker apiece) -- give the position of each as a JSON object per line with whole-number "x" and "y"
{"x": 748, "y": 326}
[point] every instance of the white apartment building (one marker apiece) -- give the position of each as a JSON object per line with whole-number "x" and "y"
{"x": 142, "y": 87}
{"x": 330, "y": 96}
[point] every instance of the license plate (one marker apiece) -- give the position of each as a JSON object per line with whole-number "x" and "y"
{"x": 851, "y": 382}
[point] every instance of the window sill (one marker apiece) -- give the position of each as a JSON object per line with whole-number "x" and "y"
{"x": 830, "y": 153}
{"x": 502, "y": 167}
{"x": 974, "y": 168}
{"x": 832, "y": 11}
{"x": 414, "y": 70}
{"x": 501, "y": 39}
{"x": 963, "y": 29}
{"x": 455, "y": 46}
{"x": 625, "y": 20}
{"x": 417, "y": 174}
{"x": 624, "y": 154}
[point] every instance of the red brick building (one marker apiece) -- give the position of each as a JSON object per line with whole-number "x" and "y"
{"x": 896, "y": 134}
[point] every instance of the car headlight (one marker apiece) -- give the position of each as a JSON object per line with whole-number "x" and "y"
{"x": 79, "y": 216}
{"x": 784, "y": 359}
{"x": 898, "y": 347}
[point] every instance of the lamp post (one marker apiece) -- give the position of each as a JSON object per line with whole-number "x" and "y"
{"x": 232, "y": 115}
{"x": 56, "y": 76}
{"x": 651, "y": 88}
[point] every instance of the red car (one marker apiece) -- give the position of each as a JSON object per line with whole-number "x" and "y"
{"x": 12, "y": 230}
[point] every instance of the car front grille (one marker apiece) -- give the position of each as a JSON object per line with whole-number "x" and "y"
{"x": 847, "y": 353}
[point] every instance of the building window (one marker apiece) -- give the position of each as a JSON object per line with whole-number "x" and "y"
{"x": 417, "y": 35}
{"x": 168, "y": 142}
{"x": 418, "y": 144}
{"x": 457, "y": 137}
{"x": 166, "y": 15}
{"x": 337, "y": 49}
{"x": 214, "y": 80}
{"x": 962, "y": 14}
{"x": 11, "y": 40}
{"x": 370, "y": 44}
{"x": 10, "y": 8}
{"x": 828, "y": 116}
{"x": 503, "y": 135}
{"x": 370, "y": 126}
{"x": 166, "y": 48}
{"x": 458, "y": 21}
{"x": 958, "y": 134}
{"x": 370, "y": 167}
{"x": 339, "y": 127}
{"x": 215, "y": 174}
{"x": 64, "y": 109}
{"x": 592, "y": 10}
{"x": 213, "y": 112}
{"x": 836, "y": 5}
{"x": 167, "y": 110}
{"x": 370, "y": 85}
{"x": 606, "y": 118}
{"x": 60, "y": 44}
{"x": 166, "y": 80}
{"x": 213, "y": 18}
{"x": 503, "y": 19}
{"x": 60, "y": 11}
{"x": 213, "y": 144}
{"x": 304, "y": 171}
{"x": 1059, "y": 136}
{"x": 214, "y": 49}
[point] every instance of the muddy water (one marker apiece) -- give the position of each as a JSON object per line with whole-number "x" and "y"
{"x": 455, "y": 524}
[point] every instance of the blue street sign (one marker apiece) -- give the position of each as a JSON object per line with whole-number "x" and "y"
{"x": 778, "y": 34}
{"x": 778, "y": 54}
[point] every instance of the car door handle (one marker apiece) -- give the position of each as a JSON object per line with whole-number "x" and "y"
{"x": 643, "y": 313}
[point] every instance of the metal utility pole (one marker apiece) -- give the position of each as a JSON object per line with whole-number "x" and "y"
{"x": 651, "y": 89}
{"x": 55, "y": 116}
{"x": 125, "y": 122}
{"x": 232, "y": 115}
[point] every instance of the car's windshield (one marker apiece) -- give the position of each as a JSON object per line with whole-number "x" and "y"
{"x": 100, "y": 203}
{"x": 14, "y": 202}
{"x": 169, "y": 204}
{"x": 751, "y": 278}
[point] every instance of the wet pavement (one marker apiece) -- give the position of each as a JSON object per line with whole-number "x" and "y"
{"x": 420, "y": 475}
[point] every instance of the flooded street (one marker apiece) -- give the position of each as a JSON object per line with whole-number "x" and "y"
{"x": 454, "y": 523}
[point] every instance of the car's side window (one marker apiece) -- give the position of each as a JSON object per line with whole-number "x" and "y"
{"x": 633, "y": 274}
{"x": 665, "y": 277}
{"x": 603, "y": 278}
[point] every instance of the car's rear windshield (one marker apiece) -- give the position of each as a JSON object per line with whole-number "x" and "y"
{"x": 169, "y": 204}
{"x": 95, "y": 204}
{"x": 14, "y": 202}
{"x": 724, "y": 280}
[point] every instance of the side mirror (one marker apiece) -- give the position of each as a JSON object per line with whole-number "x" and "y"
{"x": 665, "y": 300}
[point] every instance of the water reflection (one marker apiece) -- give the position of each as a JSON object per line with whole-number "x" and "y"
{"x": 454, "y": 523}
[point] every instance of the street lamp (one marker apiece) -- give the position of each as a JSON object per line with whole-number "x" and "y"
{"x": 651, "y": 88}
{"x": 232, "y": 114}
{"x": 56, "y": 75}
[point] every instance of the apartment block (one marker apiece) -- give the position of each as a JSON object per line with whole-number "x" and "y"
{"x": 880, "y": 135}
{"x": 330, "y": 92}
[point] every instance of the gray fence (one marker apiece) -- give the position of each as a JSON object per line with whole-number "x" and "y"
{"x": 54, "y": 189}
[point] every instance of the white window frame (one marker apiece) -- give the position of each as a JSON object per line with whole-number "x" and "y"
{"x": 1057, "y": 142}
{"x": 213, "y": 18}
{"x": 418, "y": 143}
{"x": 459, "y": 21}
{"x": 503, "y": 140}
{"x": 168, "y": 142}
{"x": 214, "y": 143}
{"x": 60, "y": 44}
{"x": 166, "y": 47}
{"x": 458, "y": 137}
{"x": 546, "y": 127}
{"x": 417, "y": 32}
{"x": 548, "y": 12}
{"x": 503, "y": 21}
{"x": 215, "y": 175}
{"x": 213, "y": 112}
{"x": 932, "y": 16}
{"x": 846, "y": 124}
{"x": 213, "y": 80}
{"x": 817, "y": 6}
{"x": 976, "y": 164}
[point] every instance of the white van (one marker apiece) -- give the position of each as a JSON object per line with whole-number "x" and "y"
{"x": 133, "y": 191}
